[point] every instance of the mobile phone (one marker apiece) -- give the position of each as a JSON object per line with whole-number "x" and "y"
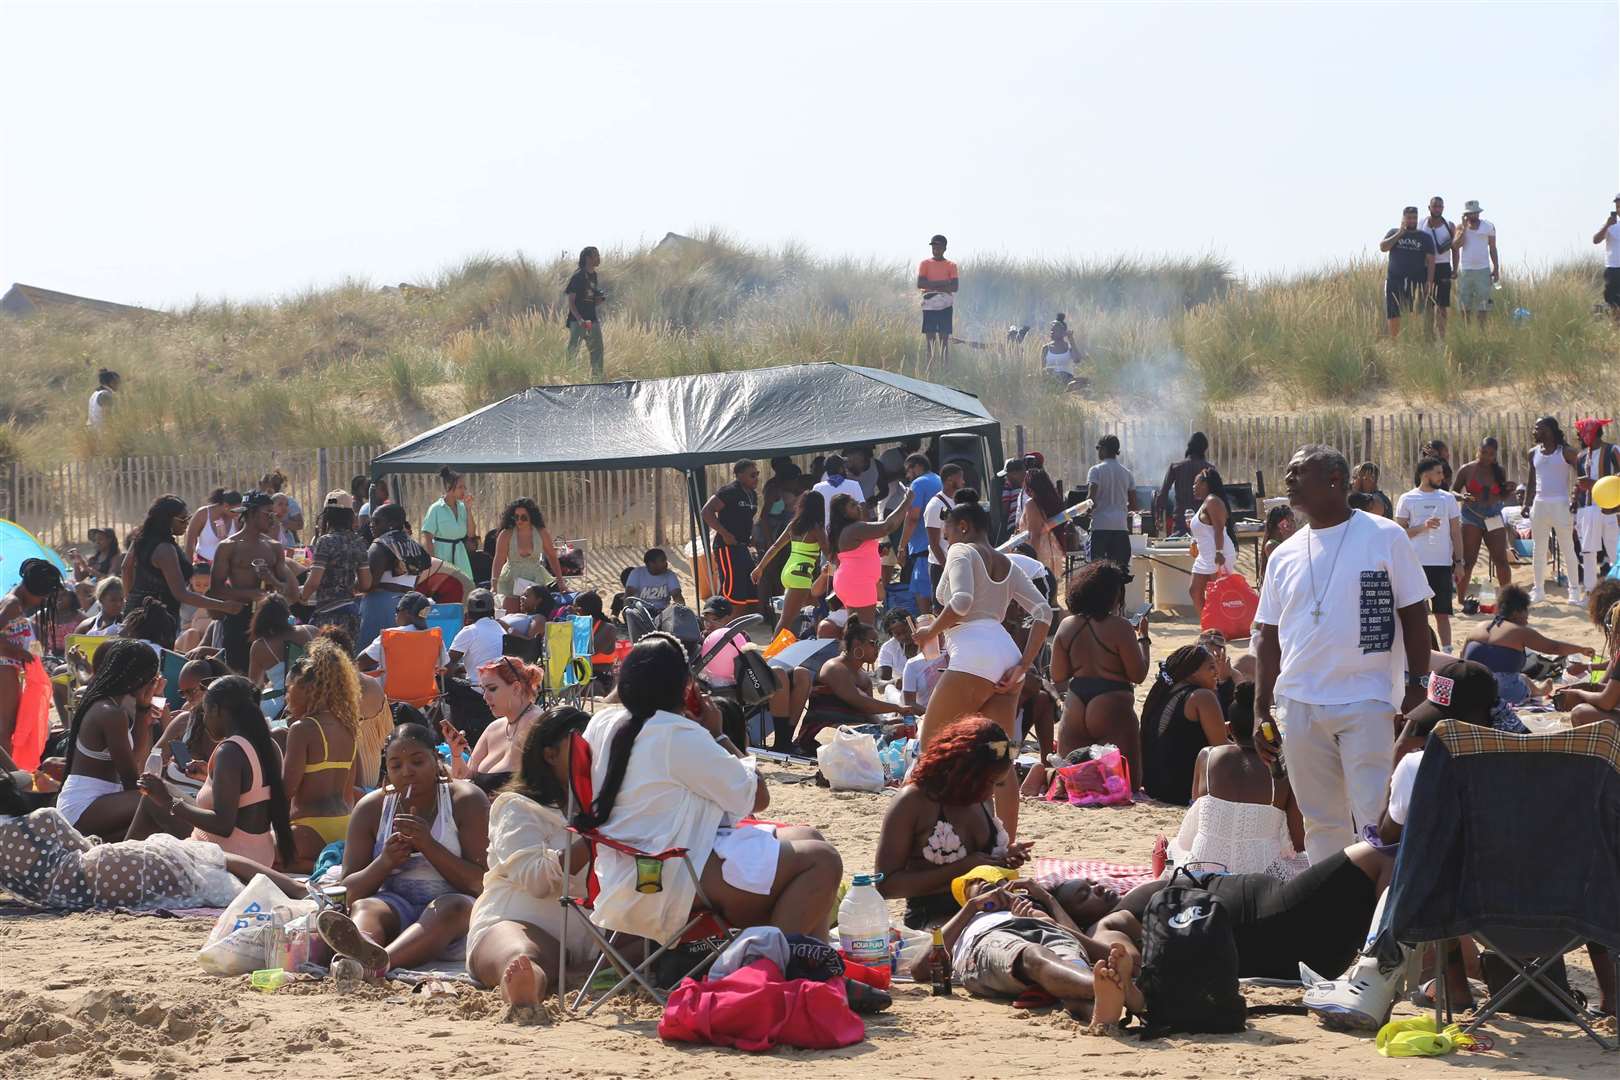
{"x": 180, "y": 753}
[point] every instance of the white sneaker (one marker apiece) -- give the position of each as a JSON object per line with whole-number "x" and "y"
{"x": 1577, "y": 599}
{"x": 1537, "y": 596}
{"x": 1359, "y": 1001}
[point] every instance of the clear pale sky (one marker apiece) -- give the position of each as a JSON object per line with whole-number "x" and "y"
{"x": 157, "y": 153}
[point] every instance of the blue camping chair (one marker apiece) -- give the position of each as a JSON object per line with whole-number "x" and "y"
{"x": 448, "y": 618}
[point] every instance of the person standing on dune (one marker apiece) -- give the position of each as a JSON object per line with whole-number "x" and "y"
{"x": 937, "y": 281}
{"x": 583, "y": 296}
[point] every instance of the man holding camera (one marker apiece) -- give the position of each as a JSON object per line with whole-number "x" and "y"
{"x": 1609, "y": 236}
{"x": 1478, "y": 267}
{"x": 1411, "y": 267}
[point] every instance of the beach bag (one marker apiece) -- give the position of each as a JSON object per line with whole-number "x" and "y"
{"x": 33, "y": 723}
{"x": 1102, "y": 781}
{"x": 1189, "y": 975}
{"x": 1230, "y": 603}
{"x": 236, "y": 944}
{"x": 756, "y": 682}
{"x": 755, "y": 1008}
{"x": 849, "y": 761}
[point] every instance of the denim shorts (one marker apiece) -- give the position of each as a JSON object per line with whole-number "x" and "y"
{"x": 1477, "y": 515}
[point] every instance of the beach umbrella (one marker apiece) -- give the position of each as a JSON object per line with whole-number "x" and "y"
{"x": 18, "y": 544}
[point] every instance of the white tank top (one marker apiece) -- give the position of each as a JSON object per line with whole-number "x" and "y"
{"x": 208, "y": 540}
{"x": 1062, "y": 362}
{"x": 1553, "y": 475}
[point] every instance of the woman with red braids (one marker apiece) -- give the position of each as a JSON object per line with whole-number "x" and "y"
{"x": 943, "y": 824}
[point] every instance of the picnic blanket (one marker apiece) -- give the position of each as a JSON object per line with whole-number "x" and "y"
{"x": 1121, "y": 877}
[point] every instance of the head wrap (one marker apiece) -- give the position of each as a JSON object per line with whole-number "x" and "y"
{"x": 1590, "y": 430}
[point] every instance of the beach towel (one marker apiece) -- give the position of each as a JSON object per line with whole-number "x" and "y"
{"x": 1121, "y": 877}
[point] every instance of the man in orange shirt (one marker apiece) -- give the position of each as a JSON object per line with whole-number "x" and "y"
{"x": 936, "y": 279}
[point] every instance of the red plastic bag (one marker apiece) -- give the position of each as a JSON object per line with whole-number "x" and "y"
{"x": 1104, "y": 781}
{"x": 754, "y": 1009}
{"x": 1229, "y": 606}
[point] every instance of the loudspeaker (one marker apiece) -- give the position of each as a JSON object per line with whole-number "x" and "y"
{"x": 968, "y": 452}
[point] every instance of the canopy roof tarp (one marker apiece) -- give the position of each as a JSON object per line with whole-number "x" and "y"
{"x": 17, "y": 545}
{"x": 692, "y": 421}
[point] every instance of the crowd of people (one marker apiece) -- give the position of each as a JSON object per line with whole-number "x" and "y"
{"x": 283, "y": 749}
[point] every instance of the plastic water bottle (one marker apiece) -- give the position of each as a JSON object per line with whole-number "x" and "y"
{"x": 863, "y": 922}
{"x": 275, "y": 941}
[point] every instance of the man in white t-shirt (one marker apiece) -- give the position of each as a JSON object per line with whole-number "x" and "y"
{"x": 1432, "y": 517}
{"x": 1343, "y": 625}
{"x": 1609, "y": 237}
{"x": 921, "y": 676}
{"x": 933, "y": 518}
{"x": 1478, "y": 267}
{"x": 481, "y": 640}
{"x": 104, "y": 397}
{"x": 898, "y": 649}
{"x": 836, "y": 482}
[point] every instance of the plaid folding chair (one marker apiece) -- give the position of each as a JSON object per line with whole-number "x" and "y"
{"x": 1512, "y": 839}
{"x": 703, "y": 924}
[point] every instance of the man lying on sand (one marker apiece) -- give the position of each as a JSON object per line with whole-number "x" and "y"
{"x": 1012, "y": 937}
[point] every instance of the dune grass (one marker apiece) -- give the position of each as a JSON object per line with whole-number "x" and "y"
{"x": 355, "y": 364}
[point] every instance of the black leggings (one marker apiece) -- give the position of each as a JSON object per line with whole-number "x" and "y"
{"x": 1319, "y": 918}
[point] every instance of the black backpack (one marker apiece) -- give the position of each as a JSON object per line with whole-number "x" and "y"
{"x": 756, "y": 682}
{"x": 1189, "y": 972}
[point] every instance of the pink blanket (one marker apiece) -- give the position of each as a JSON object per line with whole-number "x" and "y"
{"x": 1121, "y": 877}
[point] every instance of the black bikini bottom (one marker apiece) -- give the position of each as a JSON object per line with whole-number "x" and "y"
{"x": 1086, "y": 687}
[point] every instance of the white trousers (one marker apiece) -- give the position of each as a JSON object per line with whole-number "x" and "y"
{"x": 1596, "y": 530}
{"x": 1339, "y": 759}
{"x": 1549, "y": 516}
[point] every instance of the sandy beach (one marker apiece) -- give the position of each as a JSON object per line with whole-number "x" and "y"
{"x": 119, "y": 995}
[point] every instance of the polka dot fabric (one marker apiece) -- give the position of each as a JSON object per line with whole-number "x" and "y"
{"x": 46, "y": 862}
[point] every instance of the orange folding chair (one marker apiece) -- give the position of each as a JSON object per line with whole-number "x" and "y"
{"x": 411, "y": 665}
{"x": 705, "y": 923}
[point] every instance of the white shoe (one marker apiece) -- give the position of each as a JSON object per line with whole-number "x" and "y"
{"x": 1537, "y": 596}
{"x": 1359, "y": 1001}
{"x": 1577, "y": 599}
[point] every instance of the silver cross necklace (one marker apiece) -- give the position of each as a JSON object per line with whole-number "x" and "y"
{"x": 1317, "y": 598}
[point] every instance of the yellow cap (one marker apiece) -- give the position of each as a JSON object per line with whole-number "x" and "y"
{"x": 989, "y": 874}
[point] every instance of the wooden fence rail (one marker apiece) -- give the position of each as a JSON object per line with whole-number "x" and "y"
{"x": 640, "y": 508}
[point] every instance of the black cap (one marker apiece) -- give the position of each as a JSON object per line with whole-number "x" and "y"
{"x": 937, "y": 238}
{"x": 1010, "y": 465}
{"x": 412, "y": 603}
{"x": 719, "y": 607}
{"x": 254, "y": 500}
{"x": 480, "y": 602}
{"x": 1462, "y": 690}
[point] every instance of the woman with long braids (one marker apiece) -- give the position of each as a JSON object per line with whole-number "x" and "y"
{"x": 155, "y": 566}
{"x": 109, "y": 738}
{"x": 413, "y": 862}
{"x": 517, "y": 923}
{"x": 806, "y": 539}
{"x": 321, "y": 771}
{"x": 854, "y": 543}
{"x": 1212, "y": 530}
{"x": 664, "y": 778}
{"x": 523, "y": 549}
{"x": 1042, "y": 503}
{"x": 986, "y": 671}
{"x": 1180, "y": 717}
{"x": 25, "y": 698}
{"x": 242, "y": 806}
